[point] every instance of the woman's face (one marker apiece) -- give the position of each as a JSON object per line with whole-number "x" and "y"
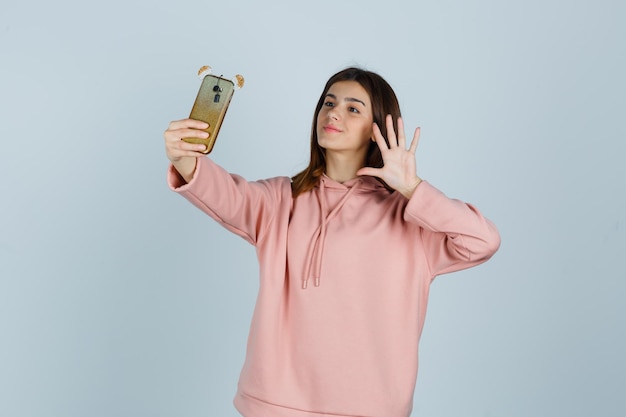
{"x": 344, "y": 123}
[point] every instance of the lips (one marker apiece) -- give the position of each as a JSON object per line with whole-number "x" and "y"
{"x": 331, "y": 129}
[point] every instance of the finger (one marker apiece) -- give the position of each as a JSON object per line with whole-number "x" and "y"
{"x": 379, "y": 139}
{"x": 190, "y": 147}
{"x": 415, "y": 140}
{"x": 400, "y": 133}
{"x": 178, "y": 134}
{"x": 174, "y": 140}
{"x": 391, "y": 133}
{"x": 177, "y": 150}
{"x": 187, "y": 123}
{"x": 372, "y": 172}
{"x": 173, "y": 156}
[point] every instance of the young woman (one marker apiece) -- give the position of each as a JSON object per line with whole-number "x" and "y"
{"x": 347, "y": 251}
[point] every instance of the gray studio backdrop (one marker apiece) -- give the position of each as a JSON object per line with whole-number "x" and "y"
{"x": 118, "y": 298}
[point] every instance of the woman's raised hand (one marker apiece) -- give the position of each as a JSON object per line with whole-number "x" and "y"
{"x": 184, "y": 155}
{"x": 399, "y": 169}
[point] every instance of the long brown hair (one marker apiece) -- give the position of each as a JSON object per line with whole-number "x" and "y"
{"x": 384, "y": 102}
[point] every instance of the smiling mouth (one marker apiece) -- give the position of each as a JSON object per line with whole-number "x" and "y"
{"x": 331, "y": 129}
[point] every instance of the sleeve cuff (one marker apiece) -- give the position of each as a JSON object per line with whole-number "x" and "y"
{"x": 176, "y": 182}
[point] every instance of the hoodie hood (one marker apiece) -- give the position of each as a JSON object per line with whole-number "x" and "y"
{"x": 316, "y": 248}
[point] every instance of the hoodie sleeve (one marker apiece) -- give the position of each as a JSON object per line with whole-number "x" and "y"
{"x": 245, "y": 208}
{"x": 455, "y": 234}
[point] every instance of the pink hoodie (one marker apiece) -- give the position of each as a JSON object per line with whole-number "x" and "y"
{"x": 344, "y": 277}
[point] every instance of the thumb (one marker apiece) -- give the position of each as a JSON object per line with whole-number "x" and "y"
{"x": 373, "y": 172}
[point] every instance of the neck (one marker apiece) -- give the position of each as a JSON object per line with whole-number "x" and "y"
{"x": 342, "y": 168}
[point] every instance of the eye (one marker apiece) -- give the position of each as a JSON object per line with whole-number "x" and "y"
{"x": 329, "y": 104}
{"x": 353, "y": 110}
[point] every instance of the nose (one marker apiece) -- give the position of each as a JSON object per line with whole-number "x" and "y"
{"x": 333, "y": 114}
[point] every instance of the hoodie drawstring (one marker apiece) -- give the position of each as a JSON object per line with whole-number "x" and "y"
{"x": 316, "y": 249}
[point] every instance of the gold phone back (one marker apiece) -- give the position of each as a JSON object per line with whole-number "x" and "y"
{"x": 210, "y": 106}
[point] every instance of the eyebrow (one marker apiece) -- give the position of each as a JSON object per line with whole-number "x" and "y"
{"x": 351, "y": 99}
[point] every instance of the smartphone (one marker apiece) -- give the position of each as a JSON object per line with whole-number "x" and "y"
{"x": 210, "y": 106}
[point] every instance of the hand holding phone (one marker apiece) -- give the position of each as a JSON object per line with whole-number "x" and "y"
{"x": 211, "y": 104}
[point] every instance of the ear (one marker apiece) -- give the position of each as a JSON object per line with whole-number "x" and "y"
{"x": 375, "y": 126}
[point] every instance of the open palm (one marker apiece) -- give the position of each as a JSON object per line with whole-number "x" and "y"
{"x": 399, "y": 168}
